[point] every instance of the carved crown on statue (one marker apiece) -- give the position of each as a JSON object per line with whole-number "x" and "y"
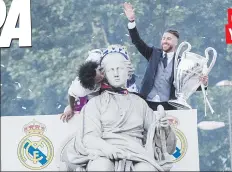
{"x": 116, "y": 49}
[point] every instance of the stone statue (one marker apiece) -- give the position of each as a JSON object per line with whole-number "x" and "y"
{"x": 118, "y": 131}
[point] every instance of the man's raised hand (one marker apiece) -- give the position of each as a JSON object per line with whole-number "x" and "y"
{"x": 129, "y": 11}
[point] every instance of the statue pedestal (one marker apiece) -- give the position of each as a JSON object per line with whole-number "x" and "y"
{"x": 31, "y": 143}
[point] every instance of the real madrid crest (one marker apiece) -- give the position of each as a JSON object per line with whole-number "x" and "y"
{"x": 35, "y": 150}
{"x": 182, "y": 144}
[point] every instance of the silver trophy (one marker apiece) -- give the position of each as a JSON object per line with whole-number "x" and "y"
{"x": 187, "y": 72}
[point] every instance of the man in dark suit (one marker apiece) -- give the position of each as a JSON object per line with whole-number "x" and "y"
{"x": 157, "y": 85}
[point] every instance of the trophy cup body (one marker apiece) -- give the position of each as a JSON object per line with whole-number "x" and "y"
{"x": 187, "y": 73}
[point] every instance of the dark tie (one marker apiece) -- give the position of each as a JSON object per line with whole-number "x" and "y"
{"x": 165, "y": 60}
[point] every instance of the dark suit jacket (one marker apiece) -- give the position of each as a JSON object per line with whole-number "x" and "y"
{"x": 153, "y": 55}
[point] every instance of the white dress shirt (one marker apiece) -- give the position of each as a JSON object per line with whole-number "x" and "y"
{"x": 170, "y": 56}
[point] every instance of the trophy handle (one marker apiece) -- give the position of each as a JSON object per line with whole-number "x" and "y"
{"x": 213, "y": 60}
{"x": 206, "y": 71}
{"x": 176, "y": 59}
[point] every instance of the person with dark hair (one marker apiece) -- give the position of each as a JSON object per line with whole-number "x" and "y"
{"x": 80, "y": 92}
{"x": 89, "y": 75}
{"x": 157, "y": 86}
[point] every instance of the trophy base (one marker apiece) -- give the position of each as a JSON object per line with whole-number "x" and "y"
{"x": 180, "y": 104}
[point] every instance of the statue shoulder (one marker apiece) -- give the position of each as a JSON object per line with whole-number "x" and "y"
{"x": 137, "y": 97}
{"x": 99, "y": 100}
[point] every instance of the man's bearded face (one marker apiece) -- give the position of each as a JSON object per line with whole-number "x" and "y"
{"x": 115, "y": 70}
{"x": 168, "y": 42}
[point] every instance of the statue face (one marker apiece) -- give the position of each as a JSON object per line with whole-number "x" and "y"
{"x": 115, "y": 70}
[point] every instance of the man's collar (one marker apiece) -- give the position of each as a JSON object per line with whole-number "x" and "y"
{"x": 170, "y": 54}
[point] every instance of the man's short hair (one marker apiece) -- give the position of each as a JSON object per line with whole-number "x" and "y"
{"x": 174, "y": 32}
{"x": 87, "y": 73}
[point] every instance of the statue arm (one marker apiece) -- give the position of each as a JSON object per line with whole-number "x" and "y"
{"x": 94, "y": 142}
{"x": 92, "y": 138}
{"x": 149, "y": 116}
{"x": 169, "y": 137}
{"x": 170, "y": 140}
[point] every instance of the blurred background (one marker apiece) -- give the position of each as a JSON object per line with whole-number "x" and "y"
{"x": 35, "y": 81}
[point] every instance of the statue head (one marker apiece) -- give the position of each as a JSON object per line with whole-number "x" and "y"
{"x": 111, "y": 64}
{"x": 114, "y": 65}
